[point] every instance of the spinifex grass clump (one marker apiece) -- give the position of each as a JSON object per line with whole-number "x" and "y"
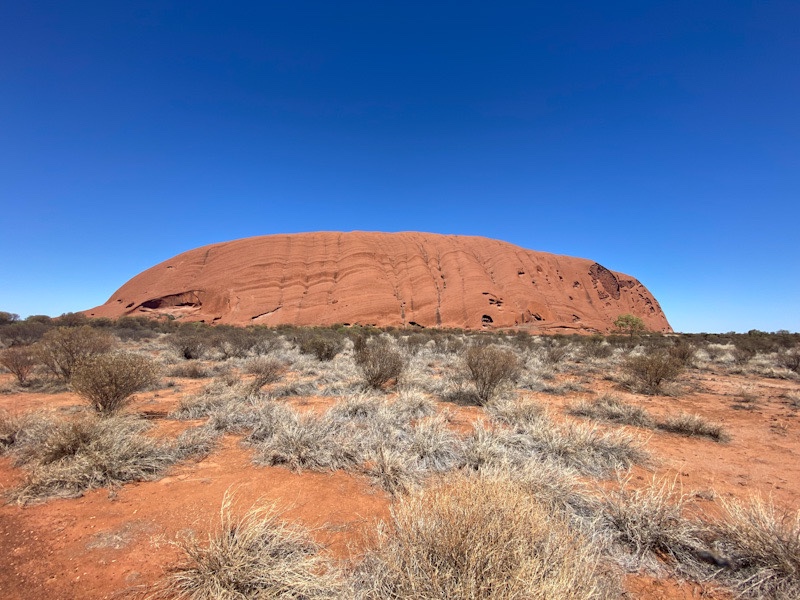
{"x": 694, "y": 426}
{"x": 257, "y": 555}
{"x": 534, "y": 435}
{"x": 485, "y": 538}
{"x": 761, "y": 545}
{"x": 613, "y": 410}
{"x": 648, "y": 526}
{"x": 64, "y": 458}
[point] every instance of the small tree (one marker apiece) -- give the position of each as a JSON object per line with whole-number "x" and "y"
{"x": 62, "y": 349}
{"x": 630, "y": 324}
{"x": 108, "y": 380}
{"x": 7, "y": 317}
{"x": 20, "y": 360}
{"x": 489, "y": 367}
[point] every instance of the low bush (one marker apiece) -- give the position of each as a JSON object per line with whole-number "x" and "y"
{"x": 380, "y": 362}
{"x": 415, "y": 342}
{"x": 649, "y": 372}
{"x": 482, "y": 538}
{"x": 20, "y": 361}
{"x": 683, "y": 352}
{"x": 613, "y": 410}
{"x": 233, "y": 342}
{"x": 190, "y": 370}
{"x": 265, "y": 370}
{"x": 790, "y": 359}
{"x": 189, "y": 343}
{"x": 62, "y": 349}
{"x": 743, "y": 355}
{"x": 694, "y": 425}
{"x": 324, "y": 346}
{"x": 490, "y": 367}
{"x": 108, "y": 380}
{"x": 595, "y": 346}
{"x": 255, "y": 555}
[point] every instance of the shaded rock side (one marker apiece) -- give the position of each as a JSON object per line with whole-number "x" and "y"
{"x": 385, "y": 279}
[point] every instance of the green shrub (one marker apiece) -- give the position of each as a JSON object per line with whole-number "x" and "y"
{"x": 23, "y": 333}
{"x": 108, "y": 380}
{"x": 630, "y": 324}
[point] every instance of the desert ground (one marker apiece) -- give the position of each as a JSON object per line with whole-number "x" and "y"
{"x": 381, "y": 464}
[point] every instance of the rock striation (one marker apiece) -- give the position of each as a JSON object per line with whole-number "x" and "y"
{"x": 406, "y": 279}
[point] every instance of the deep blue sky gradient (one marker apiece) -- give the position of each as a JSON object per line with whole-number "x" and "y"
{"x": 661, "y": 139}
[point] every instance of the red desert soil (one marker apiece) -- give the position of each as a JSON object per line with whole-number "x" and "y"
{"x": 385, "y": 279}
{"x": 113, "y": 543}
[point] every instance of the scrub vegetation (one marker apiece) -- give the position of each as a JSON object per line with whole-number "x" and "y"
{"x": 512, "y": 463}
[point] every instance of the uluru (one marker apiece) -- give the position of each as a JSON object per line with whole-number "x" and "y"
{"x": 406, "y": 279}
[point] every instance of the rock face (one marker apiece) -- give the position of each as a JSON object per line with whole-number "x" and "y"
{"x": 385, "y": 279}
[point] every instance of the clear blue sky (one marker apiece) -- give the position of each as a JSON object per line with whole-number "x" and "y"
{"x": 661, "y": 139}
